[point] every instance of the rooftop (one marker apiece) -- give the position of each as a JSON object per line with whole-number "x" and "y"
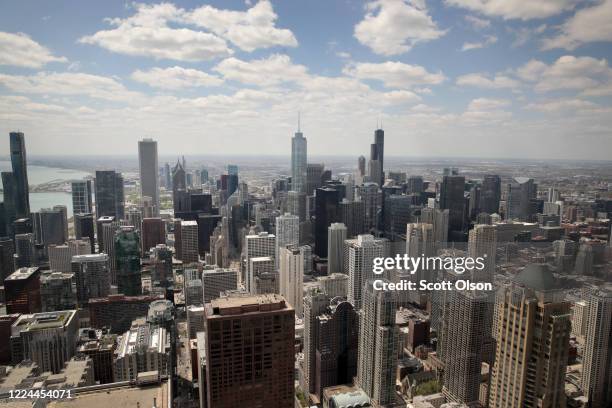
{"x": 22, "y": 274}
{"x": 118, "y": 397}
{"x": 238, "y": 303}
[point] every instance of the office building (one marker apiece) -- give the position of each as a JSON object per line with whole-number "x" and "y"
{"x": 296, "y": 204}
{"x": 51, "y": 225}
{"x": 22, "y": 291}
{"x": 149, "y": 172}
{"x": 490, "y": 194}
{"x": 377, "y": 361}
{"x": 326, "y": 213}
{"x": 452, "y": 199}
{"x": 47, "y": 339}
{"x": 20, "y": 175}
{"x": 287, "y": 232}
{"x": 82, "y": 201}
{"x": 216, "y": 281}
{"x": 370, "y": 195}
{"x": 260, "y": 245}
{"x": 100, "y": 347}
{"x": 192, "y": 285}
{"x": 265, "y": 273}
{"x": 521, "y": 192}
{"x": 91, "y": 276}
{"x": 84, "y": 228}
{"x": 180, "y": 196}
{"x": 314, "y": 174}
{"x": 291, "y": 277}
{"x": 361, "y": 166}
{"x": 532, "y": 332}
{"x": 153, "y": 233}
{"x": 57, "y": 291}
{"x": 597, "y": 359}
{"x": 189, "y": 242}
{"x": 361, "y": 254}
{"x": 482, "y": 243}
{"x": 7, "y": 252}
{"x": 60, "y": 256}
{"x": 110, "y": 200}
{"x": 127, "y": 261}
{"x": 352, "y": 214}
{"x": 337, "y": 234}
{"x": 298, "y": 161}
{"x": 116, "y": 312}
{"x": 143, "y": 348}
{"x": 259, "y": 376}
{"x": 25, "y": 251}
{"x": 334, "y": 285}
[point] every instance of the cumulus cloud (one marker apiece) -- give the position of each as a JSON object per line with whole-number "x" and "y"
{"x": 515, "y": 9}
{"x": 590, "y": 24}
{"x": 392, "y": 27}
{"x": 176, "y": 78}
{"x": 489, "y": 40}
{"x": 163, "y": 31}
{"x": 394, "y": 74}
{"x": 273, "y": 70}
{"x": 18, "y": 49}
{"x": 480, "y": 80}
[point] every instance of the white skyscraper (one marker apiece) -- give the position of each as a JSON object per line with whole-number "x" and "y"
{"x": 361, "y": 254}
{"x": 482, "y": 243}
{"x": 291, "y": 277}
{"x": 336, "y": 235}
{"x": 298, "y": 161}
{"x": 260, "y": 245}
{"x": 149, "y": 169}
{"x": 287, "y": 232}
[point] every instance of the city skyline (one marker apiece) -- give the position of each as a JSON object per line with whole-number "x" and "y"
{"x": 445, "y": 79}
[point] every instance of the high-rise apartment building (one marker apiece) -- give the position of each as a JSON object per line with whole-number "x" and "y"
{"x": 533, "y": 331}
{"x": 110, "y": 200}
{"x": 149, "y": 172}
{"x": 82, "y": 202}
{"x": 377, "y": 361}
{"x": 597, "y": 359}
{"x": 291, "y": 277}
{"x": 482, "y": 243}
{"x": 260, "y": 245}
{"x": 253, "y": 363}
{"x": 361, "y": 254}
{"x": 287, "y": 232}
{"x": 337, "y": 234}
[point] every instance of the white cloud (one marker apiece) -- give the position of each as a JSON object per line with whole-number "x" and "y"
{"x": 586, "y": 74}
{"x": 176, "y": 78}
{"x": 392, "y": 27}
{"x": 489, "y": 40}
{"x": 480, "y": 80}
{"x": 563, "y": 105}
{"x": 69, "y": 83}
{"x": 400, "y": 97}
{"x": 249, "y": 30}
{"x": 273, "y": 70}
{"x": 477, "y": 22}
{"x": 163, "y": 31}
{"x": 590, "y": 24}
{"x": 21, "y": 51}
{"x": 394, "y": 74}
{"x": 516, "y": 9}
{"x": 485, "y": 104}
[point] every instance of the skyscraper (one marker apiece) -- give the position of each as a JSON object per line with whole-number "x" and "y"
{"x": 84, "y": 228}
{"x": 149, "y": 169}
{"x": 91, "y": 276}
{"x": 490, "y": 194}
{"x": 291, "y": 277}
{"x": 20, "y": 174}
{"x": 127, "y": 261}
{"x": 57, "y": 291}
{"x": 216, "y": 281}
{"x": 377, "y": 361}
{"x": 60, "y": 256}
{"x": 260, "y": 245}
{"x": 82, "y": 197}
{"x": 337, "y": 234}
{"x": 298, "y": 161}
{"x": 7, "y": 250}
{"x": 482, "y": 243}
{"x": 22, "y": 291}
{"x": 253, "y": 363}
{"x": 51, "y": 226}
{"x": 287, "y": 233}
{"x": 597, "y": 359}
{"x": 189, "y": 242}
{"x": 361, "y": 165}
{"x": 180, "y": 197}
{"x": 153, "y": 233}
{"x": 532, "y": 332}
{"x": 452, "y": 199}
{"x": 361, "y": 254}
{"x": 9, "y": 192}
{"x": 110, "y": 199}
{"x": 520, "y": 193}
{"x": 326, "y": 212}
{"x": 370, "y": 195}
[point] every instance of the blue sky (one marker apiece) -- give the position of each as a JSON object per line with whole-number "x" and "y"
{"x": 488, "y": 78}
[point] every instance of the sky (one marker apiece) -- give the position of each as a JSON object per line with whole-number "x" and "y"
{"x": 446, "y": 78}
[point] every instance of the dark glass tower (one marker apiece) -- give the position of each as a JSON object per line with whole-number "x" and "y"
{"x": 9, "y": 191}
{"x": 109, "y": 194}
{"x": 326, "y": 212}
{"x": 20, "y": 174}
{"x": 452, "y": 198}
{"x": 127, "y": 255}
{"x": 490, "y": 194}
{"x": 379, "y": 141}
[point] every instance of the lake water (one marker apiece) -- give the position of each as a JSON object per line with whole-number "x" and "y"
{"x": 41, "y": 174}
